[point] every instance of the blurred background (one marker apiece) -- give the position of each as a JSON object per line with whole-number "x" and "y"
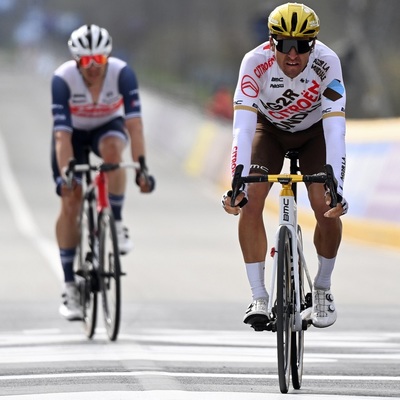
{"x": 187, "y": 55}
{"x": 192, "y": 49}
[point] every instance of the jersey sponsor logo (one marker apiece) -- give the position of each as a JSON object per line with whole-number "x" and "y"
{"x": 249, "y": 86}
{"x": 329, "y": 110}
{"x": 259, "y": 167}
{"x": 95, "y": 110}
{"x": 291, "y": 108}
{"x": 343, "y": 169}
{"x": 59, "y": 117}
{"x": 334, "y": 91}
{"x": 135, "y": 103}
{"x": 276, "y": 85}
{"x": 234, "y": 159}
{"x": 320, "y": 67}
{"x": 79, "y": 98}
{"x": 261, "y": 69}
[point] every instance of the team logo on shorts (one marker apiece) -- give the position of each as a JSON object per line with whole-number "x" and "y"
{"x": 249, "y": 86}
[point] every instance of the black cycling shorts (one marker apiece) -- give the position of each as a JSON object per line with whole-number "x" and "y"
{"x": 270, "y": 145}
{"x": 89, "y": 140}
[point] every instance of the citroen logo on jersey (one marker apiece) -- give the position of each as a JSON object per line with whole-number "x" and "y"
{"x": 249, "y": 86}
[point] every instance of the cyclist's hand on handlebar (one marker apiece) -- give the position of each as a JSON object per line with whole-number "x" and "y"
{"x": 145, "y": 182}
{"x": 241, "y": 200}
{"x": 340, "y": 209}
{"x": 64, "y": 188}
{"x": 336, "y": 201}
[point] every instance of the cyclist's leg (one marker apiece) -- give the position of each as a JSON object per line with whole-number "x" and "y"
{"x": 67, "y": 232}
{"x": 266, "y": 156}
{"x": 67, "y": 235}
{"x": 109, "y": 142}
{"x": 327, "y": 234}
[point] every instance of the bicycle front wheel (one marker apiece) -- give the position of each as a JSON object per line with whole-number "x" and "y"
{"x": 298, "y": 337}
{"x": 86, "y": 276}
{"x": 110, "y": 273}
{"x": 284, "y": 315}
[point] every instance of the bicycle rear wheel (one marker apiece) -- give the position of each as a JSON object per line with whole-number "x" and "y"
{"x": 284, "y": 314}
{"x": 110, "y": 273}
{"x": 87, "y": 277}
{"x": 298, "y": 337}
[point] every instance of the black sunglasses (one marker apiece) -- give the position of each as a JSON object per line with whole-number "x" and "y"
{"x": 285, "y": 45}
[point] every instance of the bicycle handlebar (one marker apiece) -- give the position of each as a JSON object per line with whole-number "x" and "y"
{"x": 103, "y": 167}
{"x": 327, "y": 178}
{"x": 73, "y": 167}
{"x": 140, "y": 168}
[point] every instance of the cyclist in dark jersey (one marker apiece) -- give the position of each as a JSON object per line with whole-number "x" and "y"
{"x": 95, "y": 104}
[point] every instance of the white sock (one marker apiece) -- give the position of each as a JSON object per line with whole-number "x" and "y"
{"x": 325, "y": 268}
{"x": 255, "y": 275}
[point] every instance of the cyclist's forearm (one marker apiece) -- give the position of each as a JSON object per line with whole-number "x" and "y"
{"x": 334, "y": 132}
{"x": 63, "y": 148}
{"x": 135, "y": 129}
{"x": 244, "y": 127}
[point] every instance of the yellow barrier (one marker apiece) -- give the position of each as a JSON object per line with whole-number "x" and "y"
{"x": 210, "y": 155}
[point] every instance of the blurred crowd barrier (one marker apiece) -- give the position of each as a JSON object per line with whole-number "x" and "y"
{"x": 202, "y": 144}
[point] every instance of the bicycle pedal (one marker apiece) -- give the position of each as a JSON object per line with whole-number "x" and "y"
{"x": 80, "y": 273}
{"x": 123, "y": 273}
{"x": 306, "y": 323}
{"x": 271, "y": 326}
{"x": 258, "y": 327}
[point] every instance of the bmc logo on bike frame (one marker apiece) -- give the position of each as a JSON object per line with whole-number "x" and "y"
{"x": 286, "y": 215}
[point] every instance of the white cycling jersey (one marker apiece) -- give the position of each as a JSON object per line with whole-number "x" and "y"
{"x": 73, "y": 106}
{"x": 291, "y": 104}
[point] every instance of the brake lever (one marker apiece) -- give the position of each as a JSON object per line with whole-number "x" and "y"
{"x": 331, "y": 183}
{"x": 143, "y": 168}
{"x": 237, "y": 183}
{"x": 69, "y": 172}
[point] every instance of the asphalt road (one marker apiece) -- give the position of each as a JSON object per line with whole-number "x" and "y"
{"x": 183, "y": 297}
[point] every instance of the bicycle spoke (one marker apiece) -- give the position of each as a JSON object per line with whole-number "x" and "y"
{"x": 298, "y": 337}
{"x": 110, "y": 273}
{"x": 284, "y": 309}
{"x": 85, "y": 274}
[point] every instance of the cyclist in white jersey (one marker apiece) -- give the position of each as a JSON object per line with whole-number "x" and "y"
{"x": 96, "y": 107}
{"x": 290, "y": 95}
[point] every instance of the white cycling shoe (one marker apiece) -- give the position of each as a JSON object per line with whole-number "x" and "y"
{"x": 257, "y": 313}
{"x": 323, "y": 312}
{"x": 71, "y": 308}
{"x": 125, "y": 244}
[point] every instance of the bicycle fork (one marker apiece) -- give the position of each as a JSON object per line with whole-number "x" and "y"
{"x": 288, "y": 218}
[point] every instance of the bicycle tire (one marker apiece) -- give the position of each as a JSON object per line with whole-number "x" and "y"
{"x": 284, "y": 318}
{"x": 110, "y": 273}
{"x": 86, "y": 276}
{"x": 88, "y": 280}
{"x": 298, "y": 337}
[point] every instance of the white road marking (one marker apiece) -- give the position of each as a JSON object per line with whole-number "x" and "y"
{"x": 181, "y": 395}
{"x": 22, "y": 215}
{"x": 52, "y": 345}
{"x": 48, "y": 346}
{"x": 193, "y": 375}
